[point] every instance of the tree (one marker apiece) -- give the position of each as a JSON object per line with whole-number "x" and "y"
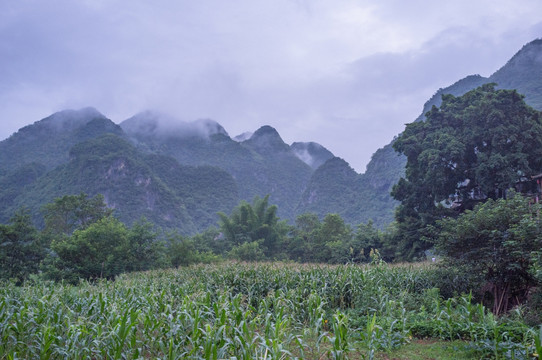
{"x": 21, "y": 250}
{"x": 101, "y": 250}
{"x": 496, "y": 240}
{"x": 304, "y": 237}
{"x": 145, "y": 251}
{"x": 71, "y": 212}
{"x": 181, "y": 250}
{"x": 259, "y": 221}
{"x": 473, "y": 148}
{"x": 367, "y": 238}
{"x": 334, "y": 239}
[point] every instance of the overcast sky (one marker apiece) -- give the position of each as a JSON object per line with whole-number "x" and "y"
{"x": 346, "y": 74}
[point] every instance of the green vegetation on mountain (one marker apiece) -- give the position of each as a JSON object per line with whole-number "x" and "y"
{"x": 523, "y": 73}
{"x": 260, "y": 165}
{"x": 333, "y": 188}
{"x": 53, "y": 157}
{"x": 136, "y": 185}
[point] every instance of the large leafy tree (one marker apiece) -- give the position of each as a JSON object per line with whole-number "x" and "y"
{"x": 101, "y": 250}
{"x": 498, "y": 240}
{"x": 471, "y": 149}
{"x": 333, "y": 242}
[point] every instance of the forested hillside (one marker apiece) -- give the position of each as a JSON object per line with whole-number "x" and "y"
{"x": 135, "y": 185}
{"x": 178, "y": 175}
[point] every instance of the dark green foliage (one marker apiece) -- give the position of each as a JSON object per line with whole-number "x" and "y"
{"x": 13, "y": 183}
{"x": 184, "y": 251}
{"x": 303, "y": 242}
{"x": 496, "y": 241}
{"x": 105, "y": 248}
{"x": 333, "y": 188}
{"x": 181, "y": 250}
{"x": 71, "y": 212}
{"x": 101, "y": 250}
{"x": 20, "y": 248}
{"x": 367, "y": 238}
{"x": 523, "y": 72}
{"x": 473, "y": 148}
{"x": 204, "y": 190}
{"x": 248, "y": 251}
{"x": 145, "y": 251}
{"x": 135, "y": 185}
{"x": 332, "y": 240}
{"x": 263, "y": 164}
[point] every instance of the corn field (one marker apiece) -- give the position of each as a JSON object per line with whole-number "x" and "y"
{"x": 249, "y": 311}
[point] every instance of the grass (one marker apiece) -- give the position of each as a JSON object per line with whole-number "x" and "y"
{"x": 431, "y": 350}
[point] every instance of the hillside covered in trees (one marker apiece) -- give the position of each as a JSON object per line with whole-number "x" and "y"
{"x": 178, "y": 175}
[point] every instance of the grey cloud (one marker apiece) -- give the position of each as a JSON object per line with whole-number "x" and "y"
{"x": 311, "y": 69}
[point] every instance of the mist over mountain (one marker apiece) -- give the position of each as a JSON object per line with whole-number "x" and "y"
{"x": 311, "y": 153}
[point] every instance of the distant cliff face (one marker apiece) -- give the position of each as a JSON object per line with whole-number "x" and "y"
{"x": 523, "y": 72}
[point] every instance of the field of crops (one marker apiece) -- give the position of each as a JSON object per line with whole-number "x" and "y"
{"x": 251, "y": 311}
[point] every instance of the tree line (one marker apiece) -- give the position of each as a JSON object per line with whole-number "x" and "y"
{"x": 82, "y": 239}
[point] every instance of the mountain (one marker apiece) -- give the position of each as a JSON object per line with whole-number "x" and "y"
{"x": 522, "y": 72}
{"x": 48, "y": 141}
{"x": 93, "y": 155}
{"x": 176, "y": 174}
{"x": 333, "y": 188}
{"x": 180, "y": 174}
{"x": 261, "y": 164}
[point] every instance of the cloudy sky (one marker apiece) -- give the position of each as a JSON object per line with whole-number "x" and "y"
{"x": 347, "y": 74}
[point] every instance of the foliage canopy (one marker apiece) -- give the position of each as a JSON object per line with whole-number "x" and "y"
{"x": 497, "y": 240}
{"x": 471, "y": 149}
